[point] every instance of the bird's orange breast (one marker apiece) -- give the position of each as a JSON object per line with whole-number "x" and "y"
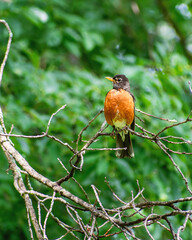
{"x": 119, "y": 107}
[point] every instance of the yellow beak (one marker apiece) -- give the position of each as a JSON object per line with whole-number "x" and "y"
{"x": 110, "y": 79}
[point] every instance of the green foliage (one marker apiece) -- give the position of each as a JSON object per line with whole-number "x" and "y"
{"x": 60, "y": 54}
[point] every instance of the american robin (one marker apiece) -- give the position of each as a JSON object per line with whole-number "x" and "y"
{"x": 119, "y": 110}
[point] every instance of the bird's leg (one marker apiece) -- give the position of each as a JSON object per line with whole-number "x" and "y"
{"x": 113, "y": 133}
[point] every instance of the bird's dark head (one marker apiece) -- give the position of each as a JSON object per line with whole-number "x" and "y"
{"x": 120, "y": 81}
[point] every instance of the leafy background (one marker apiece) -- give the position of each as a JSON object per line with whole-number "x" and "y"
{"x": 60, "y": 54}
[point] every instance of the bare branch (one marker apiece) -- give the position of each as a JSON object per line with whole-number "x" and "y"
{"x": 182, "y": 228}
{"x": 85, "y": 128}
{"x": 175, "y": 165}
{"x": 145, "y": 224}
{"x": 49, "y": 122}
{"x": 29, "y": 224}
{"x": 150, "y": 115}
{"x": 7, "y": 50}
{"x": 47, "y": 215}
{"x": 174, "y": 125}
{"x": 19, "y": 185}
{"x": 80, "y": 186}
{"x": 92, "y": 229}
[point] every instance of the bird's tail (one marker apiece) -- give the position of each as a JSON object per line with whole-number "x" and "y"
{"x": 129, "y": 152}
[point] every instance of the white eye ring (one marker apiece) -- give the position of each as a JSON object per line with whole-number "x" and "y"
{"x": 119, "y": 79}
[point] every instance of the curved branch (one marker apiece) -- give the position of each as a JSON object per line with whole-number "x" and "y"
{"x": 7, "y": 50}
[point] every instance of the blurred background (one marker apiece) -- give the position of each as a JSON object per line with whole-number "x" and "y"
{"x": 60, "y": 54}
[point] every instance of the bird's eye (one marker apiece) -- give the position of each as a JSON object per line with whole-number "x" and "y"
{"x": 119, "y": 79}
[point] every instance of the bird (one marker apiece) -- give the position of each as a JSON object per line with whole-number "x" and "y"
{"x": 119, "y": 111}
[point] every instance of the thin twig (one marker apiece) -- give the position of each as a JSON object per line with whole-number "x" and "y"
{"x": 171, "y": 228}
{"x": 182, "y": 228}
{"x": 80, "y": 186}
{"x": 47, "y": 215}
{"x": 89, "y": 123}
{"x": 49, "y": 122}
{"x": 145, "y": 224}
{"x": 7, "y": 49}
{"x": 3, "y": 65}
{"x": 92, "y": 229}
{"x": 150, "y": 115}
{"x": 176, "y": 166}
{"x": 29, "y": 224}
{"x": 173, "y": 125}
